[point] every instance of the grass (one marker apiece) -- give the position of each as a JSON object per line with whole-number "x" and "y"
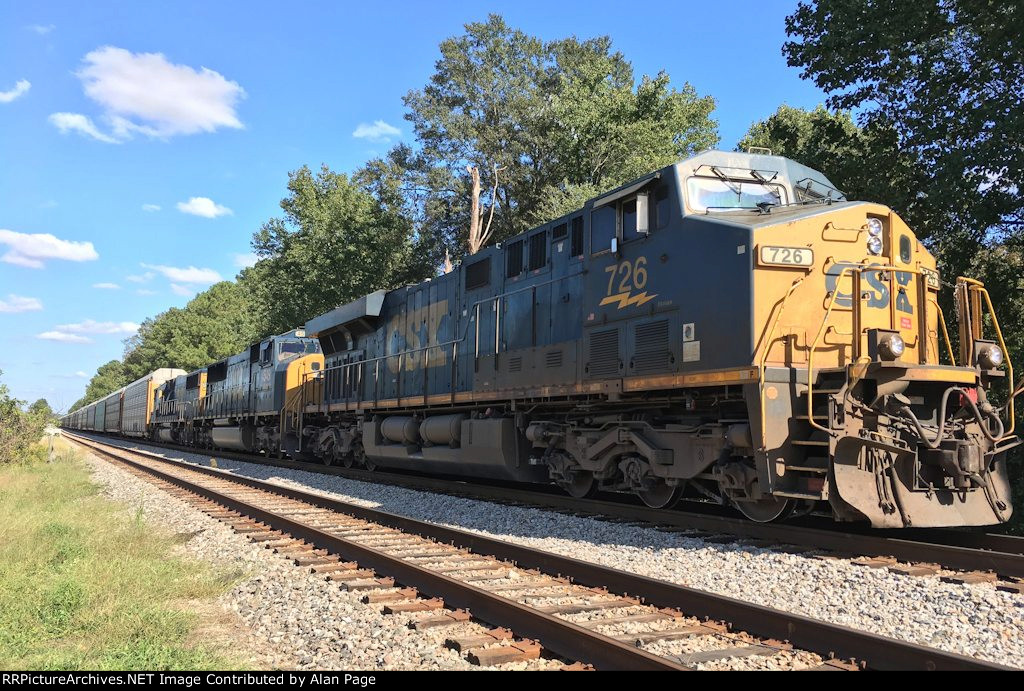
{"x": 85, "y": 586}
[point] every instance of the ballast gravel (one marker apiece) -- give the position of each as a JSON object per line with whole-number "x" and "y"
{"x": 971, "y": 619}
{"x": 296, "y": 620}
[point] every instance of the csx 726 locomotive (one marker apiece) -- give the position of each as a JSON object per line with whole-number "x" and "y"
{"x": 729, "y": 326}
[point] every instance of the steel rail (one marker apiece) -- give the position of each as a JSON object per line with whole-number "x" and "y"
{"x": 965, "y": 551}
{"x": 557, "y": 635}
{"x": 826, "y": 639}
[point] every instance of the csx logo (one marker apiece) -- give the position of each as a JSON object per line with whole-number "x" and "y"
{"x": 878, "y": 281}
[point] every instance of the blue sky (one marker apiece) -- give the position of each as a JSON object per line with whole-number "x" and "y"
{"x": 106, "y": 130}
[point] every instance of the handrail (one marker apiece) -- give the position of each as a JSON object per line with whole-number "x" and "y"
{"x": 979, "y": 287}
{"x": 764, "y": 355}
{"x": 855, "y": 300}
{"x": 945, "y": 334}
{"x": 475, "y": 307}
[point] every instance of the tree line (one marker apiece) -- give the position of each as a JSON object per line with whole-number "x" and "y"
{"x": 512, "y": 131}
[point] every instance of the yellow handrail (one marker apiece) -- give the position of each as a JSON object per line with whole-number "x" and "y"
{"x": 979, "y": 287}
{"x": 767, "y": 349}
{"x": 945, "y": 334}
{"x": 855, "y": 300}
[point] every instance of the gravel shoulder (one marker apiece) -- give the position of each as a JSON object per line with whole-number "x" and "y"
{"x": 278, "y": 615}
{"x": 974, "y": 619}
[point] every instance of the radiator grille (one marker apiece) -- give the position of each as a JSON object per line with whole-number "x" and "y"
{"x": 651, "y": 351}
{"x": 515, "y": 364}
{"x": 604, "y": 353}
{"x": 553, "y": 358}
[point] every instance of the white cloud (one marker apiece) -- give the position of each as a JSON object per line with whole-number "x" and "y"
{"x": 20, "y": 88}
{"x": 184, "y": 291}
{"x": 186, "y": 275}
{"x": 90, "y": 326}
{"x": 63, "y": 337}
{"x": 30, "y": 249}
{"x": 150, "y": 207}
{"x": 41, "y": 29}
{"x": 141, "y": 278}
{"x": 145, "y": 291}
{"x": 17, "y": 303}
{"x": 203, "y": 206}
{"x": 144, "y": 93}
{"x": 380, "y": 132}
{"x": 244, "y": 261}
{"x": 76, "y": 122}
{"x": 83, "y": 375}
{"x": 106, "y": 286}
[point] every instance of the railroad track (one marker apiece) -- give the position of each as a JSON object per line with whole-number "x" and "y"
{"x": 956, "y": 556}
{"x": 541, "y": 603}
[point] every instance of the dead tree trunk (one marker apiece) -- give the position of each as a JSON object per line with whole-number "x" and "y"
{"x": 479, "y": 233}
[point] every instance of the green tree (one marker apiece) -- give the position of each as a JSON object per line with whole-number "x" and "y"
{"x": 947, "y": 76}
{"x": 42, "y": 409}
{"x": 865, "y": 163}
{"x": 18, "y": 429}
{"x": 545, "y": 124}
{"x": 216, "y": 323}
{"x": 336, "y": 242}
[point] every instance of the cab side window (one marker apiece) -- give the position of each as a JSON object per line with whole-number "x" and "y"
{"x": 602, "y": 229}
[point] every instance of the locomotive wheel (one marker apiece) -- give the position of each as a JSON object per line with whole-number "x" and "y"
{"x": 766, "y": 509}
{"x": 349, "y": 459}
{"x": 661, "y": 495}
{"x": 359, "y": 457}
{"x": 581, "y": 484}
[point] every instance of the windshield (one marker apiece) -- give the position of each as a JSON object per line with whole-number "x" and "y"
{"x": 711, "y": 194}
{"x": 290, "y": 350}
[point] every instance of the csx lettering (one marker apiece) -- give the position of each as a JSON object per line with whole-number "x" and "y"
{"x": 879, "y": 296}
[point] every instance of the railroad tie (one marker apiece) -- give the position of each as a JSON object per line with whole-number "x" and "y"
{"x": 333, "y": 567}
{"x": 970, "y": 577}
{"x": 465, "y": 643}
{"x": 690, "y": 659}
{"x": 420, "y": 605}
{"x": 518, "y": 651}
{"x": 629, "y": 618}
{"x": 588, "y": 606}
{"x": 374, "y": 598}
{"x": 457, "y": 616}
{"x": 372, "y": 584}
{"x": 641, "y": 639}
{"x": 914, "y": 570}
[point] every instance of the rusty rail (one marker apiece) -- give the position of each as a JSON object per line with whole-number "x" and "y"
{"x": 562, "y": 637}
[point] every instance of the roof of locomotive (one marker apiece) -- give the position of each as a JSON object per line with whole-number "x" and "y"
{"x": 778, "y": 169}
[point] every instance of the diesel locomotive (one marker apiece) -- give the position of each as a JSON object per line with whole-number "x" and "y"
{"x": 729, "y": 327}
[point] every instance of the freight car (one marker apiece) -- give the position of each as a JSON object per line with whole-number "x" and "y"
{"x": 730, "y": 326}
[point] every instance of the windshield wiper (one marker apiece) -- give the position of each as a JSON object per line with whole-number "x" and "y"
{"x": 765, "y": 182}
{"x": 728, "y": 183}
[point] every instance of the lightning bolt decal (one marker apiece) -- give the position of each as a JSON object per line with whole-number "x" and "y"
{"x": 625, "y": 300}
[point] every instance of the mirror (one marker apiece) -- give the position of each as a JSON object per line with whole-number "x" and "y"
{"x": 642, "y": 214}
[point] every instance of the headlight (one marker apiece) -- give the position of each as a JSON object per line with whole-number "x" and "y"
{"x": 875, "y": 245}
{"x": 874, "y": 227}
{"x": 990, "y": 356}
{"x": 893, "y": 346}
